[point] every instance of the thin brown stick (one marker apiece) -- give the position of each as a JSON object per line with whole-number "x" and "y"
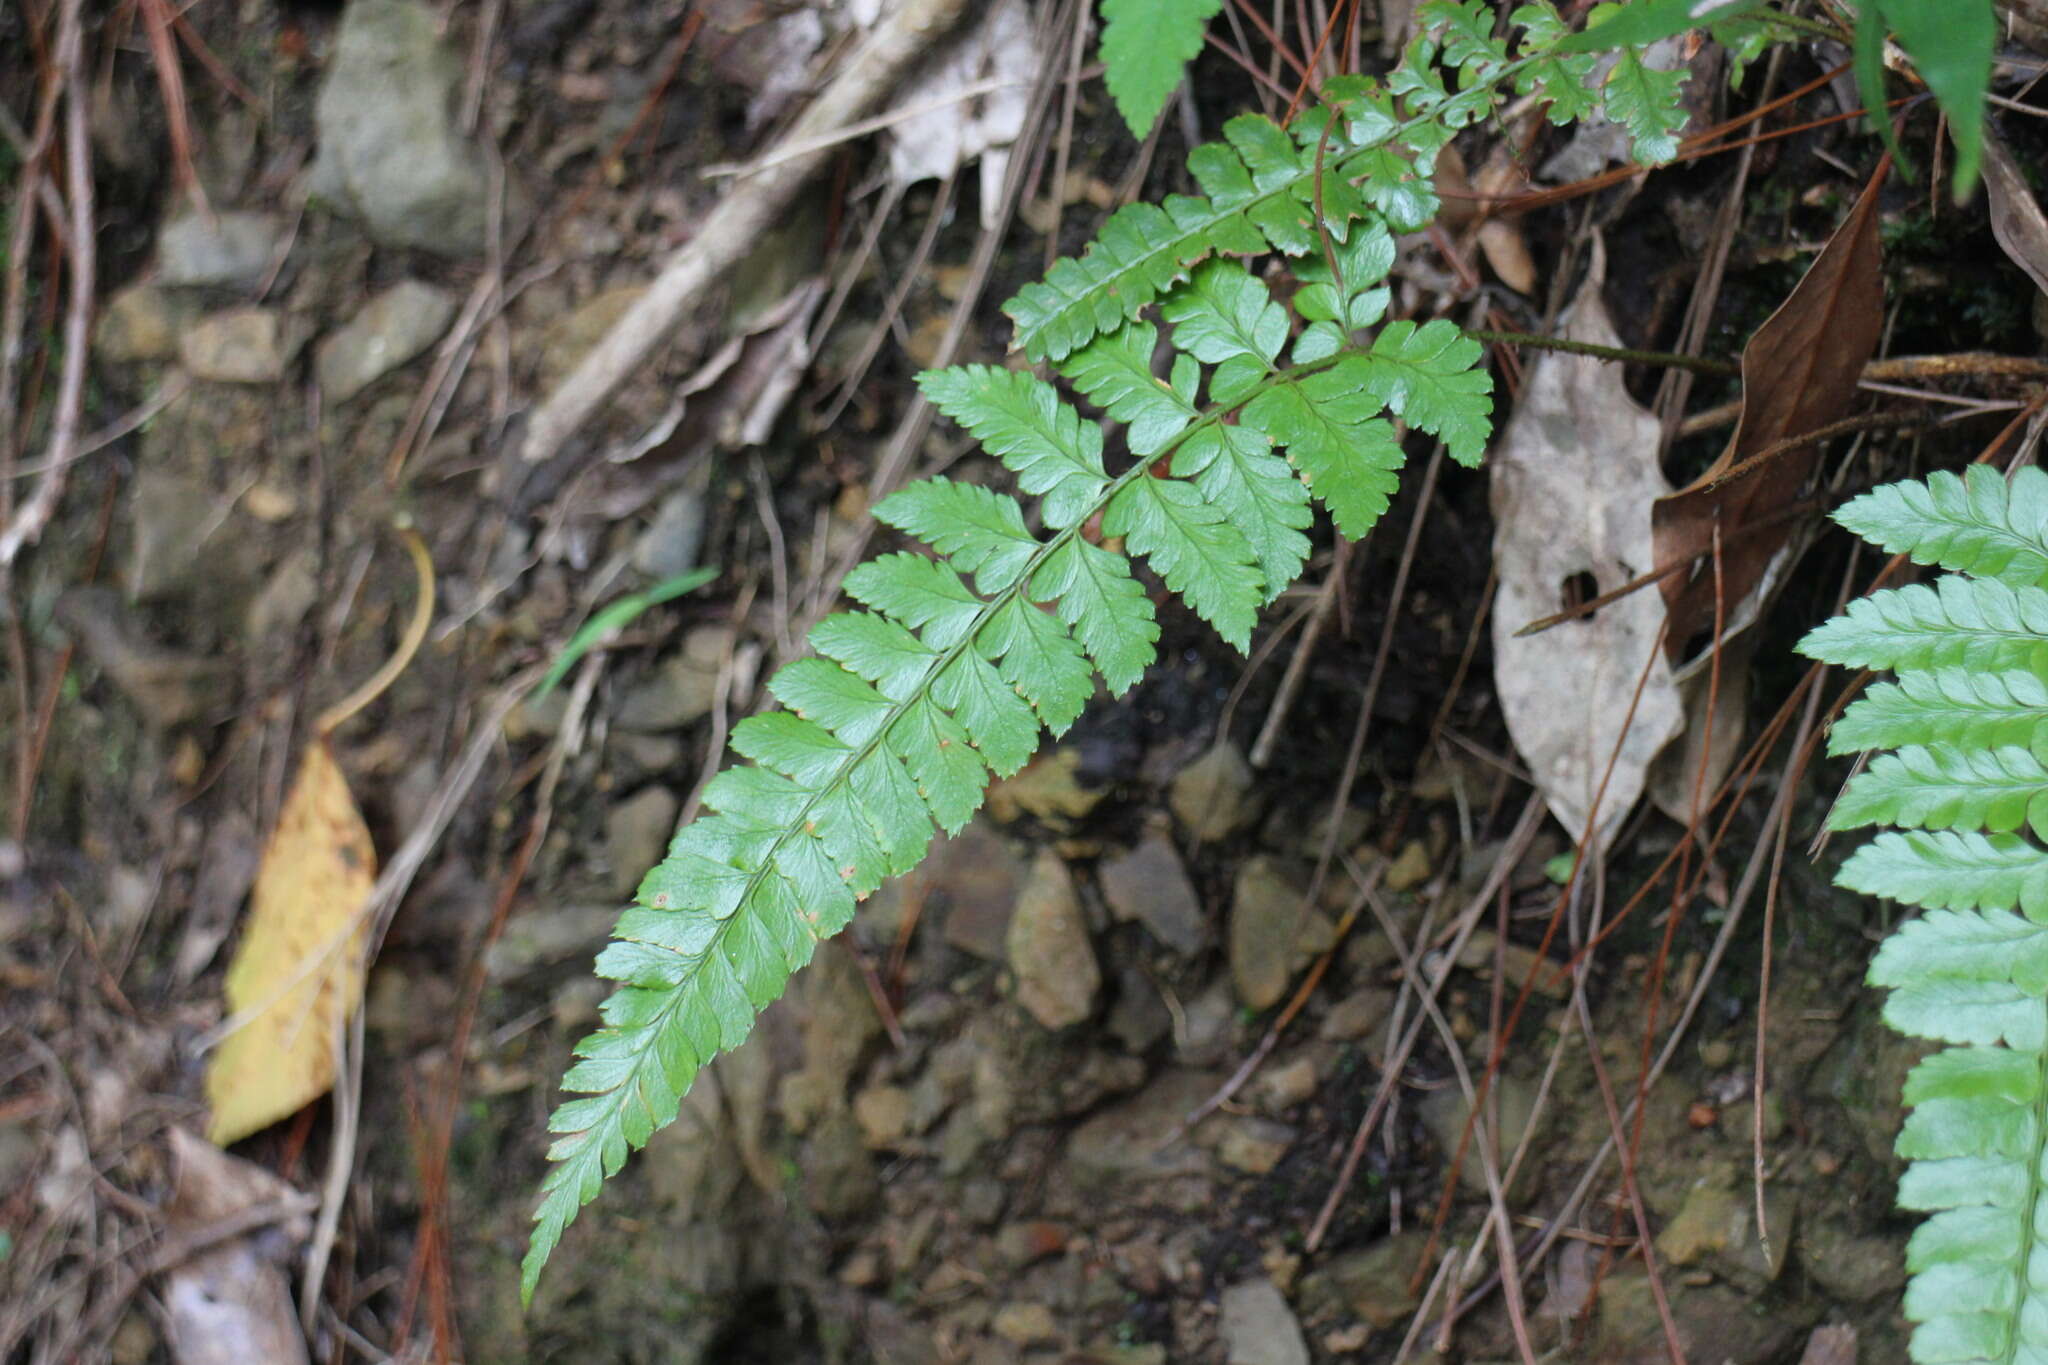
{"x": 27, "y": 525}
{"x": 748, "y": 211}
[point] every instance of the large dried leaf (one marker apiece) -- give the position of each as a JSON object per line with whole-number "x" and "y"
{"x": 1574, "y": 477}
{"x": 2016, "y": 218}
{"x": 298, "y": 972}
{"x": 1799, "y": 373}
{"x": 231, "y": 1304}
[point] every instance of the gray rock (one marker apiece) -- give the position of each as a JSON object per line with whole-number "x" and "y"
{"x": 1852, "y": 1268}
{"x": 239, "y": 346}
{"x": 386, "y": 332}
{"x": 141, "y": 323}
{"x": 1265, "y": 920}
{"x": 234, "y": 250}
{"x": 683, "y": 689}
{"x": 1443, "y": 1113}
{"x": 839, "y": 1179}
{"x": 1139, "y": 1018}
{"x": 1258, "y": 1328}
{"x": 1357, "y": 1014}
{"x": 1149, "y": 884}
{"x": 1124, "y": 1141}
{"x": 390, "y": 153}
{"x": 670, "y": 544}
{"x": 1371, "y": 1283}
{"x": 1252, "y": 1145}
{"x": 1213, "y": 795}
{"x": 1049, "y": 949}
{"x": 636, "y": 831}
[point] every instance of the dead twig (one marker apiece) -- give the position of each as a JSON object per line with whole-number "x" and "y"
{"x": 735, "y": 226}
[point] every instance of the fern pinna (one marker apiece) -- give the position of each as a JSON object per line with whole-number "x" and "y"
{"x": 961, "y": 657}
{"x": 1964, "y": 776}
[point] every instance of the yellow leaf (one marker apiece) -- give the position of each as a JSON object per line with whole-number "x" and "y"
{"x": 298, "y": 973}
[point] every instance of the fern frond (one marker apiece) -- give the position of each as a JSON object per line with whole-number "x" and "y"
{"x": 956, "y": 659}
{"x": 1146, "y": 46}
{"x": 1964, "y": 774}
{"x": 1944, "y": 787}
{"x": 1369, "y": 146}
{"x": 1947, "y": 870}
{"x": 1978, "y": 624}
{"x": 1978, "y": 709}
{"x": 1976, "y": 524}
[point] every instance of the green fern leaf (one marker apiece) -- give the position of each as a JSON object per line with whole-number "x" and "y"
{"x": 1104, "y": 605}
{"x": 1976, "y": 524}
{"x": 1645, "y": 101}
{"x": 1024, "y": 422}
{"x": 1334, "y": 435}
{"x": 1192, "y": 544}
{"x": 1146, "y": 47}
{"x": 979, "y": 530}
{"x": 1977, "y": 709}
{"x": 1564, "y": 79}
{"x": 1235, "y": 469}
{"x": 1978, "y": 624}
{"x": 1969, "y": 972}
{"x": 1946, "y": 870}
{"x": 1943, "y": 787}
{"x": 1426, "y": 375}
{"x": 1115, "y": 372}
{"x": 1224, "y": 317}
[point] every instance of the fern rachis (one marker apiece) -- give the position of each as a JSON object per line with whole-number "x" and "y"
{"x": 1967, "y": 785}
{"x": 893, "y": 726}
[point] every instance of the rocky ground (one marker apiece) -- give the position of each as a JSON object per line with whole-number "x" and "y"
{"x": 963, "y": 1136}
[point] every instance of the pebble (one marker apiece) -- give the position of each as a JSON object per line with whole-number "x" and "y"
{"x": 1279, "y": 1088}
{"x": 390, "y": 153}
{"x": 1025, "y": 1324}
{"x": 1148, "y": 884}
{"x": 1258, "y": 1328}
{"x": 1265, "y": 921}
{"x": 232, "y": 249}
{"x": 1410, "y": 867}
{"x": 1254, "y": 1146}
{"x": 636, "y": 831}
{"x": 681, "y": 690}
{"x": 883, "y": 1113}
{"x": 140, "y": 323}
{"x": 386, "y": 332}
{"x": 239, "y": 346}
{"x": 1357, "y": 1014}
{"x": 669, "y": 546}
{"x": 1213, "y": 797}
{"x": 1049, "y": 789}
{"x": 1049, "y": 948}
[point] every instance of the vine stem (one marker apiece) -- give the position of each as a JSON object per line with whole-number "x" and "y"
{"x": 1666, "y": 359}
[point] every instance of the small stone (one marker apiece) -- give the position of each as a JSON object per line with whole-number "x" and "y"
{"x": 839, "y": 1179}
{"x": 233, "y": 249}
{"x": 567, "y": 339}
{"x": 1265, "y": 919}
{"x": 1149, "y": 885}
{"x": 1523, "y": 965}
{"x": 1254, "y": 1146}
{"x": 390, "y": 151}
{"x": 1278, "y": 1089}
{"x": 1443, "y": 1113}
{"x": 140, "y": 323}
{"x": 1048, "y": 789}
{"x": 1049, "y": 948}
{"x": 1204, "y": 1034}
{"x": 1357, "y": 1015}
{"x": 238, "y": 346}
{"x": 1371, "y": 1283}
{"x": 1713, "y": 1216}
{"x": 1022, "y": 1244}
{"x": 1139, "y": 1018}
{"x": 668, "y": 547}
{"x": 683, "y": 688}
{"x": 1258, "y": 1328}
{"x": 386, "y": 332}
{"x": 883, "y": 1113}
{"x": 1410, "y": 869}
{"x": 1025, "y": 1324}
{"x": 636, "y": 831}
{"x": 1123, "y": 1142}
{"x": 1212, "y": 797}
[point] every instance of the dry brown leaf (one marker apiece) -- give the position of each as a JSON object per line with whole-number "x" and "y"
{"x": 2016, "y": 218}
{"x": 230, "y": 1304}
{"x": 1574, "y": 476}
{"x": 298, "y": 972}
{"x": 1799, "y": 373}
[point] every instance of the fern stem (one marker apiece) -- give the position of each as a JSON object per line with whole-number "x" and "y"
{"x": 653, "y": 1030}
{"x": 1670, "y": 360}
